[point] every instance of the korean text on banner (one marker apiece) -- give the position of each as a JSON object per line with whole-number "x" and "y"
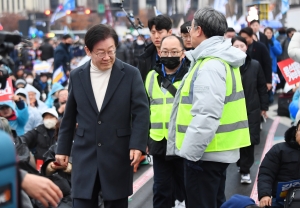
{"x": 8, "y": 92}
{"x": 290, "y": 71}
{"x": 283, "y": 187}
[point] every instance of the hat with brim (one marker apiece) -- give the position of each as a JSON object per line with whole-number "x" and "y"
{"x": 51, "y": 111}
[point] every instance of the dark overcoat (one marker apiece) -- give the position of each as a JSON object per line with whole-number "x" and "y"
{"x": 103, "y": 139}
{"x": 255, "y": 90}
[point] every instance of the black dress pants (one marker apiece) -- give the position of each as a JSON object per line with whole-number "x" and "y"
{"x": 168, "y": 181}
{"x": 246, "y": 159}
{"x": 205, "y": 183}
{"x": 93, "y": 202}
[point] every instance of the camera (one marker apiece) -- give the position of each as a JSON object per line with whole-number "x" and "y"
{"x": 7, "y": 43}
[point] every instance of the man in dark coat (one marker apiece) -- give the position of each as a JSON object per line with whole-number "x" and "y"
{"x": 255, "y": 25}
{"x": 160, "y": 27}
{"x": 62, "y": 55}
{"x": 260, "y": 53}
{"x": 281, "y": 164}
{"x": 109, "y": 103}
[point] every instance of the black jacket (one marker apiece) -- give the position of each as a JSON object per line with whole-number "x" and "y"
{"x": 159, "y": 148}
{"x": 39, "y": 141}
{"x": 62, "y": 57}
{"x": 47, "y": 51}
{"x": 122, "y": 53}
{"x": 255, "y": 89}
{"x": 148, "y": 60}
{"x": 260, "y": 53}
{"x": 264, "y": 40}
{"x": 281, "y": 164}
{"x": 37, "y": 85}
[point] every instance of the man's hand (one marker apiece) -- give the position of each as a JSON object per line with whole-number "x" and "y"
{"x": 265, "y": 201}
{"x": 42, "y": 189}
{"x": 16, "y": 98}
{"x": 135, "y": 156}
{"x": 269, "y": 86}
{"x": 57, "y": 167}
{"x": 62, "y": 160}
{"x": 264, "y": 114}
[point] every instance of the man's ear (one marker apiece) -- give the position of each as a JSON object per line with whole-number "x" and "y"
{"x": 158, "y": 53}
{"x": 170, "y": 32}
{"x": 87, "y": 51}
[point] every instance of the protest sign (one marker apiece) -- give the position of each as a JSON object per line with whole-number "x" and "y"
{"x": 290, "y": 71}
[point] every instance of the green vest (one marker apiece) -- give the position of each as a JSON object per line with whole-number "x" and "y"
{"x": 160, "y": 107}
{"x": 233, "y": 131}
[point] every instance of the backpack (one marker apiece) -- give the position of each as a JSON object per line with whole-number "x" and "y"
{"x": 292, "y": 199}
{"x": 9, "y": 187}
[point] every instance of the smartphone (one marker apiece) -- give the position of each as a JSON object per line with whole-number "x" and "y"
{"x": 56, "y": 163}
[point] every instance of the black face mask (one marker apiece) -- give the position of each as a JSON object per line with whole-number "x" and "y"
{"x": 170, "y": 62}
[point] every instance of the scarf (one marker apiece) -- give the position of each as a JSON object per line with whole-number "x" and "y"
{"x": 12, "y": 117}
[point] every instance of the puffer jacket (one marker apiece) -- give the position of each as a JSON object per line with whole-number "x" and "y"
{"x": 39, "y": 141}
{"x": 281, "y": 164}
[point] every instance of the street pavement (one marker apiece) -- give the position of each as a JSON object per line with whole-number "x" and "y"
{"x": 273, "y": 132}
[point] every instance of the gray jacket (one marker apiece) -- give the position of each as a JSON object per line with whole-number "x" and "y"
{"x": 209, "y": 91}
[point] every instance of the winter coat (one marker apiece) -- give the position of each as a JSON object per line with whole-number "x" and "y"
{"x": 35, "y": 117}
{"x": 122, "y": 53}
{"x": 39, "y": 141}
{"x": 206, "y": 118}
{"x": 258, "y": 51}
{"x": 284, "y": 42}
{"x": 294, "y": 47}
{"x": 55, "y": 88}
{"x": 21, "y": 114}
{"x": 103, "y": 138}
{"x": 159, "y": 147}
{"x": 38, "y": 85}
{"x": 255, "y": 90}
{"x": 47, "y": 51}
{"x": 275, "y": 50}
{"x": 62, "y": 57}
{"x": 148, "y": 60}
{"x": 40, "y": 105}
{"x": 137, "y": 51}
{"x": 281, "y": 164}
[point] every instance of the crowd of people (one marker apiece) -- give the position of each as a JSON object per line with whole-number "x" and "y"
{"x": 194, "y": 101}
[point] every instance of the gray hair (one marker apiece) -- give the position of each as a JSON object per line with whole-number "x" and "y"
{"x": 212, "y": 22}
{"x": 4, "y": 125}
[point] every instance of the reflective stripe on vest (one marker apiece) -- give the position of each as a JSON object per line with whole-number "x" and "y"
{"x": 233, "y": 131}
{"x": 160, "y": 107}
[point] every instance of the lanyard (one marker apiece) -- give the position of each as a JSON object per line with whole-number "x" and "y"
{"x": 164, "y": 72}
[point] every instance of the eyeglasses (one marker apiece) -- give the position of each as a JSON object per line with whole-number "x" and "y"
{"x": 102, "y": 54}
{"x": 173, "y": 53}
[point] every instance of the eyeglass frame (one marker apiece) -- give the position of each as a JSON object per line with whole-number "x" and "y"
{"x": 104, "y": 54}
{"x": 168, "y": 52}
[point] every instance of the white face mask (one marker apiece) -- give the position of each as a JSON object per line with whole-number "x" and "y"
{"x": 29, "y": 80}
{"x": 140, "y": 42}
{"x": 50, "y": 123}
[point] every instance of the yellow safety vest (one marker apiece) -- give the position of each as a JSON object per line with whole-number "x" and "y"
{"x": 233, "y": 131}
{"x": 160, "y": 107}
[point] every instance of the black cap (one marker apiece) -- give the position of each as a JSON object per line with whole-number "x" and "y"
{"x": 183, "y": 28}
